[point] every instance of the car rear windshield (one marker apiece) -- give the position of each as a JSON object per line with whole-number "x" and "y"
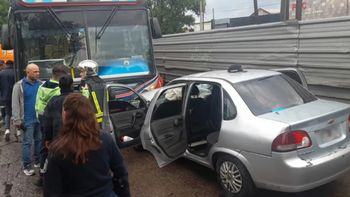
{"x": 272, "y": 93}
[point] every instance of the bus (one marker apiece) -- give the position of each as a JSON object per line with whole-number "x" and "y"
{"x": 6, "y": 55}
{"x": 117, "y": 34}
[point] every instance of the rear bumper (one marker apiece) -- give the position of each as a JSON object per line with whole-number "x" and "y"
{"x": 288, "y": 173}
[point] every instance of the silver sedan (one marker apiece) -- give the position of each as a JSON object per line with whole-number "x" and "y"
{"x": 255, "y": 128}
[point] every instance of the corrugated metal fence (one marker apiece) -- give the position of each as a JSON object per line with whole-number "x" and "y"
{"x": 319, "y": 48}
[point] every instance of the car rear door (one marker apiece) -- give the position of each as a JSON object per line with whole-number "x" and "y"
{"x": 295, "y": 74}
{"x": 124, "y": 114}
{"x": 164, "y": 133}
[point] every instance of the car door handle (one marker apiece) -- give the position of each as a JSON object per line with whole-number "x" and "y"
{"x": 137, "y": 115}
{"x": 178, "y": 122}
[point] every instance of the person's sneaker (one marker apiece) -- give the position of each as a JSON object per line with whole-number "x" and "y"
{"x": 7, "y": 135}
{"x": 28, "y": 170}
{"x": 37, "y": 165}
{"x": 39, "y": 182}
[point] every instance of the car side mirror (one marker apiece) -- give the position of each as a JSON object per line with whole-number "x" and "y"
{"x": 156, "y": 31}
{"x": 7, "y": 37}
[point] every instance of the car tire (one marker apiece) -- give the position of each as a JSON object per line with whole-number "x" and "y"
{"x": 244, "y": 185}
{"x": 139, "y": 148}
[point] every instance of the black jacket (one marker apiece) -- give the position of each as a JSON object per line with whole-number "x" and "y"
{"x": 52, "y": 119}
{"x": 96, "y": 84}
{"x": 64, "y": 179}
{"x": 7, "y": 80}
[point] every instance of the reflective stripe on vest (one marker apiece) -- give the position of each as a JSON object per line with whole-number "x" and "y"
{"x": 99, "y": 113}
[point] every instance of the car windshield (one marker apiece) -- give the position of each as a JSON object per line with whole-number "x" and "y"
{"x": 272, "y": 93}
{"x": 123, "y": 49}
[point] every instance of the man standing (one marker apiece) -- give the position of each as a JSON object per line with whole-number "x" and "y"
{"x": 24, "y": 116}
{"x": 7, "y": 80}
{"x": 2, "y": 106}
{"x": 95, "y": 85}
{"x": 46, "y": 91}
{"x": 49, "y": 89}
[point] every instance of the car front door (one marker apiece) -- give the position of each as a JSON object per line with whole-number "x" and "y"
{"x": 164, "y": 133}
{"x": 295, "y": 74}
{"x": 124, "y": 114}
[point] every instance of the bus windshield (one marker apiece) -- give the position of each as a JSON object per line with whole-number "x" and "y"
{"x": 123, "y": 49}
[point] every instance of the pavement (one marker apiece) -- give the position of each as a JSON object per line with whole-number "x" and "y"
{"x": 180, "y": 178}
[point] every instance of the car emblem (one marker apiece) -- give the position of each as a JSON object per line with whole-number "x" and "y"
{"x": 330, "y": 121}
{"x": 126, "y": 63}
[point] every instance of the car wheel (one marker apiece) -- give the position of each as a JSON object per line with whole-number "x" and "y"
{"x": 138, "y": 148}
{"x": 234, "y": 177}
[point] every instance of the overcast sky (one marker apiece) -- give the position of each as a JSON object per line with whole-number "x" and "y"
{"x": 235, "y": 8}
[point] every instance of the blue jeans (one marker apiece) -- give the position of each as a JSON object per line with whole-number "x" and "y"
{"x": 3, "y": 113}
{"x": 31, "y": 134}
{"x": 8, "y": 114}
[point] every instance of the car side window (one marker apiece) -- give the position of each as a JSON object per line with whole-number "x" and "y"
{"x": 230, "y": 111}
{"x": 169, "y": 103}
{"x": 121, "y": 99}
{"x": 294, "y": 75}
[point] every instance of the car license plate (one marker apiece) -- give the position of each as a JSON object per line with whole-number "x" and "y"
{"x": 330, "y": 134}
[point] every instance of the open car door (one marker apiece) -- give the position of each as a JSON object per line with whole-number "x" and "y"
{"x": 164, "y": 133}
{"x": 295, "y": 74}
{"x": 124, "y": 114}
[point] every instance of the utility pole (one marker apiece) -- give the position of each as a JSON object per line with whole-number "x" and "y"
{"x": 213, "y": 23}
{"x": 299, "y": 10}
{"x": 256, "y": 13}
{"x": 201, "y": 17}
{"x": 284, "y": 10}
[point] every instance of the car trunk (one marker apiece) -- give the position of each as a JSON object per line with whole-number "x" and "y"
{"x": 326, "y": 123}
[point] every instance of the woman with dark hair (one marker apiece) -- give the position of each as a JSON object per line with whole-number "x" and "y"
{"x": 81, "y": 156}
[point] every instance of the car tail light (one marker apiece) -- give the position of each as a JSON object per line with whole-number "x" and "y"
{"x": 349, "y": 123}
{"x": 160, "y": 82}
{"x": 291, "y": 141}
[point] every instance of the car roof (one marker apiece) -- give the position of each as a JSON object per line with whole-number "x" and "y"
{"x": 233, "y": 77}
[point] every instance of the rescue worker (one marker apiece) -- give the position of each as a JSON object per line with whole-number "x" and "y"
{"x": 95, "y": 85}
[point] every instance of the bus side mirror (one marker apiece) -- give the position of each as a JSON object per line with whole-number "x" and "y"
{"x": 156, "y": 31}
{"x": 7, "y": 37}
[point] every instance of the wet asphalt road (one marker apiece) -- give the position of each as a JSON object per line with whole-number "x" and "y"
{"x": 181, "y": 178}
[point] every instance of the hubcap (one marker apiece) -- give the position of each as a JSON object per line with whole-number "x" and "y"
{"x": 231, "y": 177}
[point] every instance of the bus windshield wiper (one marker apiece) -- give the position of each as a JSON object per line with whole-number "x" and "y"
{"x": 104, "y": 27}
{"x": 58, "y": 21}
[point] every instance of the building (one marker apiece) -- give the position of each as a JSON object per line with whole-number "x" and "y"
{"x": 317, "y": 9}
{"x": 265, "y": 16}
{"x": 207, "y": 26}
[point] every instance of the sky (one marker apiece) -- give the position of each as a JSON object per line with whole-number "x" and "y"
{"x": 235, "y": 8}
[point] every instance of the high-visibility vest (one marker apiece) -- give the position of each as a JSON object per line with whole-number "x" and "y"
{"x": 96, "y": 88}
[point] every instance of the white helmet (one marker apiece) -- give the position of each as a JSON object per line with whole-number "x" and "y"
{"x": 90, "y": 67}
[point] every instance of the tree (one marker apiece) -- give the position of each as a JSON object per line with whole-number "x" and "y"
{"x": 4, "y": 8}
{"x": 173, "y": 14}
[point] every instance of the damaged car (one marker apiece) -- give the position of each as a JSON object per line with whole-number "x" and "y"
{"x": 254, "y": 128}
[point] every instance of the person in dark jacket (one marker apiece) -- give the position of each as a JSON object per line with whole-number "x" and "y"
{"x": 7, "y": 80}
{"x": 89, "y": 74}
{"x": 2, "y": 105}
{"x": 52, "y": 121}
{"x": 52, "y": 118}
{"x": 81, "y": 156}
